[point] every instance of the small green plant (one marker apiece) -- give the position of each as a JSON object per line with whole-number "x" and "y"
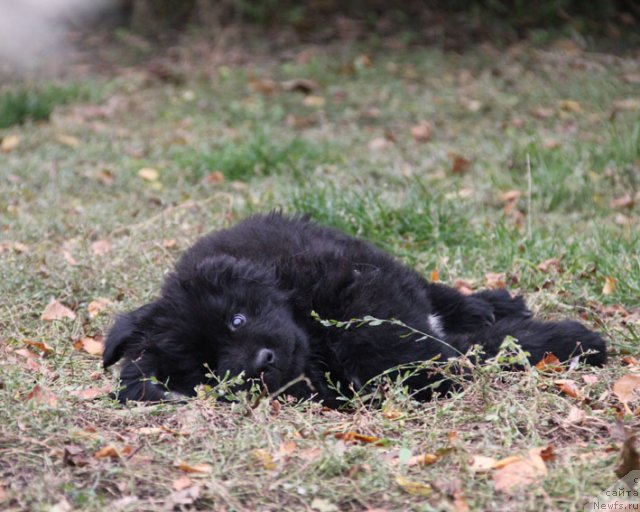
{"x": 35, "y": 104}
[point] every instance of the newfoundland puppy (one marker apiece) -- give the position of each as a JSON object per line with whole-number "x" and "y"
{"x": 249, "y": 300}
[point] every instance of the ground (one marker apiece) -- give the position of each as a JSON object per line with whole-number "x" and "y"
{"x": 509, "y": 166}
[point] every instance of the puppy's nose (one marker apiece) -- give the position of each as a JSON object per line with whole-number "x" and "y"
{"x": 265, "y": 358}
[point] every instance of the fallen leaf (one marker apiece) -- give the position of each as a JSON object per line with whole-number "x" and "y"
{"x": 379, "y": 144}
{"x": 590, "y": 379}
{"x": 68, "y": 140}
{"x": 9, "y": 143}
{"x": 627, "y": 104}
{"x": 55, "y": 310}
{"x": 74, "y": 455}
{"x": 194, "y": 468}
{"x": 626, "y": 201}
{"x": 542, "y": 112}
{"x": 310, "y": 454}
{"x": 629, "y": 457}
{"x": 101, "y": 247}
{"x": 459, "y": 164}
{"x": 42, "y": 395}
{"x": 214, "y": 177}
{"x": 111, "y": 452}
{"x": 568, "y": 387}
{"x": 464, "y": 287}
{"x": 627, "y": 388}
{"x": 425, "y": 459}
{"x": 169, "y": 243}
{"x": 264, "y": 85}
{"x": 91, "y": 393}
{"x": 181, "y": 500}
{"x": 322, "y": 505}
{"x": 181, "y": 483}
{"x": 287, "y": 449}
{"x": 360, "y": 438}
{"x": 412, "y": 487}
{"x": 511, "y": 196}
{"x": 314, "y": 101}
{"x": 575, "y": 417}
{"x": 303, "y": 85}
{"x": 524, "y": 471}
{"x": 264, "y": 458}
{"x": 550, "y": 264}
{"x": 98, "y": 305}
{"x": 481, "y": 463}
{"x": 609, "y": 285}
{"x": 570, "y": 106}
{"x": 550, "y": 363}
{"x": 551, "y": 143}
{"x": 93, "y": 346}
{"x": 631, "y": 78}
{"x": 40, "y": 345}
{"x": 149, "y": 174}
{"x": 435, "y": 276}
{"x": 630, "y": 361}
{"x": 459, "y": 502}
{"x": 494, "y": 280}
{"x": 546, "y": 453}
{"x": 422, "y": 132}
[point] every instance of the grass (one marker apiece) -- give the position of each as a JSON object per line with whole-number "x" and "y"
{"x": 75, "y": 181}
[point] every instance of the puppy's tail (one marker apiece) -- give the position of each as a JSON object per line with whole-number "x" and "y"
{"x": 565, "y": 339}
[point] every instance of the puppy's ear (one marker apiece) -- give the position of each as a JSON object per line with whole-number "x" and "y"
{"x": 126, "y": 332}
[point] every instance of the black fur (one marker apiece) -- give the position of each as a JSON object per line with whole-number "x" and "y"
{"x": 275, "y": 270}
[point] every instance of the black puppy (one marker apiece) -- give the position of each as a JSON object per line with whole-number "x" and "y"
{"x": 240, "y": 300}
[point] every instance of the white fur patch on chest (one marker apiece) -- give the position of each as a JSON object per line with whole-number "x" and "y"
{"x": 436, "y": 324}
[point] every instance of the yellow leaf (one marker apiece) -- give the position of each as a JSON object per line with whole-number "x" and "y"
{"x": 609, "y": 285}
{"x": 264, "y": 457}
{"x": 55, "y": 310}
{"x": 570, "y": 106}
{"x": 149, "y": 174}
{"x": 412, "y": 487}
{"x": 9, "y": 143}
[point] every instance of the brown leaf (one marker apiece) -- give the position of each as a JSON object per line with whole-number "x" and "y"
{"x": 629, "y": 457}
{"x": 101, "y": 247}
{"x": 568, "y": 387}
{"x": 74, "y": 455}
{"x": 627, "y": 388}
{"x": 570, "y": 106}
{"x": 40, "y": 345}
{"x": 412, "y": 487}
{"x": 609, "y": 285}
{"x": 551, "y": 143}
{"x": 512, "y": 477}
{"x": 303, "y": 85}
{"x": 494, "y": 280}
{"x": 194, "y": 468}
{"x": 459, "y": 502}
{"x": 422, "y": 132}
{"x": 355, "y": 437}
{"x": 546, "y": 453}
{"x": 214, "y": 177}
{"x": 550, "y": 363}
{"x": 464, "y": 287}
{"x": 93, "y": 346}
{"x": 42, "y": 395}
{"x": 631, "y": 78}
{"x": 55, "y": 310}
{"x": 459, "y": 164}
{"x": 424, "y": 459}
{"x": 626, "y": 201}
{"x": 630, "y": 361}
{"x": 575, "y": 417}
{"x": 264, "y": 85}
{"x": 550, "y": 264}
{"x": 97, "y": 305}
{"x": 91, "y": 393}
{"x": 184, "y": 499}
{"x": 542, "y": 112}
{"x": 110, "y": 451}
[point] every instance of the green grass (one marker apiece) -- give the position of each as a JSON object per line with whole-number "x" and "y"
{"x": 57, "y": 199}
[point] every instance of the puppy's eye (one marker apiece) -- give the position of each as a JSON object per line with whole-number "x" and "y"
{"x": 237, "y": 321}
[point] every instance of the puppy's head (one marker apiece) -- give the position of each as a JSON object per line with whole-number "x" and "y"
{"x": 223, "y": 313}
